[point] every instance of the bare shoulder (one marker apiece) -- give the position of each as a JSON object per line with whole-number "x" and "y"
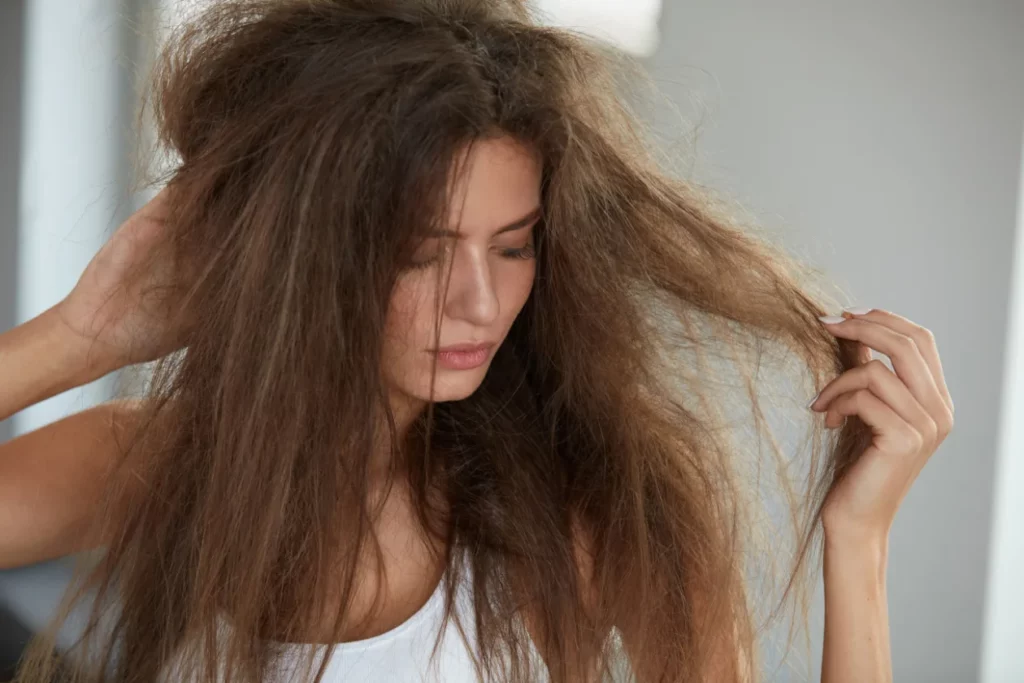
{"x": 53, "y": 480}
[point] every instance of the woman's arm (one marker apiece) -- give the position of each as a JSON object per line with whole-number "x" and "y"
{"x": 909, "y": 412}
{"x": 50, "y": 478}
{"x": 42, "y": 358}
{"x": 125, "y": 309}
{"x": 856, "y": 647}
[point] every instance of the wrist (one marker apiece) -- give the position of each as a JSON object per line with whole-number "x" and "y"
{"x": 74, "y": 361}
{"x": 39, "y": 359}
{"x": 856, "y": 548}
{"x": 856, "y": 635}
{"x": 850, "y": 529}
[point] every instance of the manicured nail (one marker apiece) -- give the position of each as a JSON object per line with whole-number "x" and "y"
{"x": 831, "y": 319}
{"x": 858, "y": 310}
{"x": 814, "y": 399}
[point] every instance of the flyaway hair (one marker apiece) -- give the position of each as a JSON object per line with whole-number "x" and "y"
{"x": 313, "y": 145}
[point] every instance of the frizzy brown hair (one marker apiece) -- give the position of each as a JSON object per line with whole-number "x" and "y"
{"x": 315, "y": 142}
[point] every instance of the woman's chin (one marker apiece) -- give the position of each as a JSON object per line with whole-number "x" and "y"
{"x": 454, "y": 386}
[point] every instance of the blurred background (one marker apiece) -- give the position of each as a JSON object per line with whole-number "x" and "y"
{"x": 883, "y": 139}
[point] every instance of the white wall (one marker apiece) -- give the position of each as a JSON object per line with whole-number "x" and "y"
{"x": 73, "y": 163}
{"x": 1002, "y": 659}
{"x": 630, "y": 25}
{"x": 12, "y": 15}
{"x": 886, "y": 137}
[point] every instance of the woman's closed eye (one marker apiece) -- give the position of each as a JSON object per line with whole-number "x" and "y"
{"x": 526, "y": 252}
{"x": 519, "y": 253}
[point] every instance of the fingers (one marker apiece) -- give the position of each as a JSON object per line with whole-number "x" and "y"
{"x": 907, "y": 408}
{"x": 899, "y": 339}
{"x": 897, "y": 435}
{"x": 924, "y": 339}
{"x": 882, "y": 383}
{"x": 863, "y": 351}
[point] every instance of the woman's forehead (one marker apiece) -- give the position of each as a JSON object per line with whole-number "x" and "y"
{"x": 499, "y": 188}
{"x": 521, "y": 222}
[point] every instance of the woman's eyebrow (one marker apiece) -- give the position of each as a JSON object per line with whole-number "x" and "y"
{"x": 516, "y": 225}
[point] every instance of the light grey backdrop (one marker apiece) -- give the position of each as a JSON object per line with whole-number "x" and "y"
{"x": 11, "y": 16}
{"x": 887, "y": 137}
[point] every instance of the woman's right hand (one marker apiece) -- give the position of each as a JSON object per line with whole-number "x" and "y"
{"x": 126, "y": 307}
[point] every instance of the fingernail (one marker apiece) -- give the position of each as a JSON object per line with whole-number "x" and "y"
{"x": 858, "y": 310}
{"x": 831, "y": 319}
{"x": 814, "y": 399}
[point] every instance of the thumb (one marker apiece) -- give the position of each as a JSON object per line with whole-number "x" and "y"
{"x": 863, "y": 350}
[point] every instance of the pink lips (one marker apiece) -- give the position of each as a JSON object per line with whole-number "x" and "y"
{"x": 464, "y": 356}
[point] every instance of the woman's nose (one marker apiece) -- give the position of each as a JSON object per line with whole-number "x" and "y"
{"x": 471, "y": 293}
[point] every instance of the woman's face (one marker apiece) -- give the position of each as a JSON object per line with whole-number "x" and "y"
{"x": 494, "y": 207}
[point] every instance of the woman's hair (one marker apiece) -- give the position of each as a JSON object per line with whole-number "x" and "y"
{"x": 314, "y": 142}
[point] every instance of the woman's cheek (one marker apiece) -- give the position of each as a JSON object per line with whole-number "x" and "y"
{"x": 409, "y": 321}
{"x": 524, "y": 286}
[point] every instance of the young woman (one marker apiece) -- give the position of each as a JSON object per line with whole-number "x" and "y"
{"x": 436, "y": 393}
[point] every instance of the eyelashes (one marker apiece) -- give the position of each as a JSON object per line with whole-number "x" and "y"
{"x": 526, "y": 252}
{"x": 522, "y": 254}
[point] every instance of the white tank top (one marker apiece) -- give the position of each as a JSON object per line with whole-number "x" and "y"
{"x": 399, "y": 655}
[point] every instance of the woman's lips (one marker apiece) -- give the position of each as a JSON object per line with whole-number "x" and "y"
{"x": 463, "y": 357}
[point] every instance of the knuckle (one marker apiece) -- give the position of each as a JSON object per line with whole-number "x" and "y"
{"x": 906, "y": 343}
{"x": 875, "y": 369}
{"x": 931, "y": 430}
{"x": 945, "y": 424}
{"x": 875, "y": 365}
{"x": 915, "y": 440}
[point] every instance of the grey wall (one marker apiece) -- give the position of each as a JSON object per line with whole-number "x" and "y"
{"x": 11, "y": 20}
{"x": 885, "y": 137}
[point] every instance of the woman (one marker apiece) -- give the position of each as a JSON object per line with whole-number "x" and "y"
{"x": 447, "y": 404}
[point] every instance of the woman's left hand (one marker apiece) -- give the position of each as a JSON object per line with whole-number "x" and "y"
{"x": 908, "y": 408}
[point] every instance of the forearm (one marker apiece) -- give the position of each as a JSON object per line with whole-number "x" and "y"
{"x": 856, "y": 647}
{"x": 39, "y": 359}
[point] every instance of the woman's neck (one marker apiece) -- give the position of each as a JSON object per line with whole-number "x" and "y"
{"x": 405, "y": 410}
